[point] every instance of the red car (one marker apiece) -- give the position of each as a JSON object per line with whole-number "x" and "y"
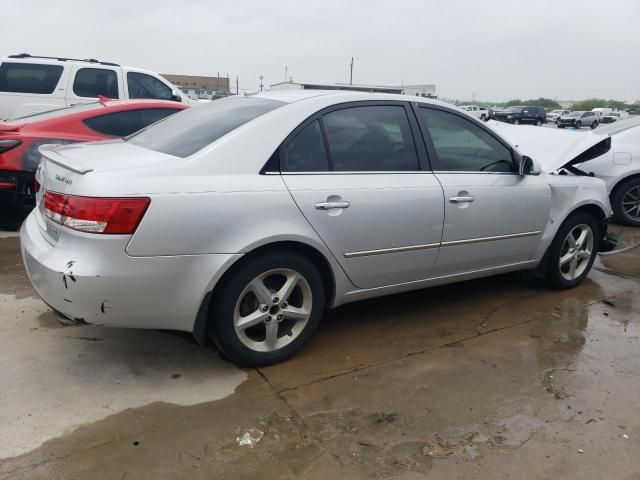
{"x": 21, "y": 137}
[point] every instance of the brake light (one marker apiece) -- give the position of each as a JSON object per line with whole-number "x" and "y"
{"x": 117, "y": 216}
{"x": 6, "y": 145}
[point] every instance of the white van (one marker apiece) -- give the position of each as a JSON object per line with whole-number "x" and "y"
{"x": 601, "y": 111}
{"x": 30, "y": 84}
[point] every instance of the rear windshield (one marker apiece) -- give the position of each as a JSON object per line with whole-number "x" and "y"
{"x": 56, "y": 112}
{"x": 186, "y": 132}
{"x": 29, "y": 77}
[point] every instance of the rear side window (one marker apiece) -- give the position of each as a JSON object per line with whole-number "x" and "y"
{"x": 91, "y": 82}
{"x": 195, "y": 128}
{"x": 29, "y": 77}
{"x": 153, "y": 115}
{"x": 117, "y": 124}
{"x": 306, "y": 152}
{"x": 146, "y": 86}
{"x": 371, "y": 138}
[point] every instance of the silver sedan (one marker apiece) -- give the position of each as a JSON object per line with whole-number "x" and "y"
{"x": 243, "y": 219}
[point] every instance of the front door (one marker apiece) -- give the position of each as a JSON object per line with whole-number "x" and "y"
{"x": 355, "y": 173}
{"x": 493, "y": 216}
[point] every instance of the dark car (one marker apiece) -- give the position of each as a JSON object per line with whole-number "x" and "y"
{"x": 520, "y": 114}
{"x": 579, "y": 119}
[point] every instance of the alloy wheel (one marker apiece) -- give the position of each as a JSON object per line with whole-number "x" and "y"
{"x": 273, "y": 310}
{"x": 576, "y": 252}
{"x": 631, "y": 203}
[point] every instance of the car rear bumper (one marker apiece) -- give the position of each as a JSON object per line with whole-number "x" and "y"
{"x": 92, "y": 280}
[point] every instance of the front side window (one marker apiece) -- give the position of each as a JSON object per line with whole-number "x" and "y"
{"x": 370, "y": 138}
{"x": 117, "y": 124}
{"x": 142, "y": 85}
{"x": 306, "y": 152}
{"x": 29, "y": 77}
{"x": 92, "y": 82}
{"x": 462, "y": 146}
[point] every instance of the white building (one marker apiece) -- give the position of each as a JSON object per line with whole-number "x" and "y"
{"x": 424, "y": 90}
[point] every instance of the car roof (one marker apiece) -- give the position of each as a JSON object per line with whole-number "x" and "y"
{"x": 341, "y": 96}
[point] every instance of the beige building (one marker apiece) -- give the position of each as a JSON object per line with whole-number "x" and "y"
{"x": 200, "y": 87}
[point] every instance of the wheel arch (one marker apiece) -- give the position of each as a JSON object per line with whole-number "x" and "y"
{"x": 293, "y": 246}
{"x": 621, "y": 181}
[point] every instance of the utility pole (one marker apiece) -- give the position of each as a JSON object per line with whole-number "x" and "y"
{"x": 351, "y": 72}
{"x": 261, "y": 82}
{"x": 237, "y": 89}
{"x": 285, "y": 73}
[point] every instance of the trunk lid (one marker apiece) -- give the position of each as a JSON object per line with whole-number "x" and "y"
{"x": 552, "y": 148}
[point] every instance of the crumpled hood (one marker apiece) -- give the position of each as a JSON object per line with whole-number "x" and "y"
{"x": 553, "y": 148}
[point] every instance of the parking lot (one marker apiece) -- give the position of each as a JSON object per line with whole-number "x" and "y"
{"x": 484, "y": 379}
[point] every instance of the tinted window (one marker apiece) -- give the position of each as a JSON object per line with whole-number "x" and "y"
{"x": 463, "y": 146}
{"x": 29, "y": 77}
{"x": 153, "y": 115}
{"x": 195, "y": 128}
{"x": 146, "y": 86}
{"x": 117, "y": 124}
{"x": 91, "y": 82}
{"x": 376, "y": 139}
{"x": 306, "y": 152}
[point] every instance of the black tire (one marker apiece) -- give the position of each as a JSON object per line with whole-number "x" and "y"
{"x": 619, "y": 193}
{"x": 578, "y": 124}
{"x": 594, "y": 125}
{"x": 538, "y": 123}
{"x": 221, "y": 320}
{"x": 560, "y": 126}
{"x": 554, "y": 277}
{"x": 483, "y": 117}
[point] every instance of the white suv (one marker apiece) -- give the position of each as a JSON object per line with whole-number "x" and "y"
{"x": 30, "y": 84}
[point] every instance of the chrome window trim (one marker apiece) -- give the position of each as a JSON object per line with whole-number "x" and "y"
{"x": 476, "y": 172}
{"x": 451, "y": 243}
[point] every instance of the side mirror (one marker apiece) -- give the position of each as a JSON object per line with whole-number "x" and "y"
{"x": 175, "y": 95}
{"x": 528, "y": 166}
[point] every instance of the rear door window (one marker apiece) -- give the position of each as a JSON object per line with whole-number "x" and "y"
{"x": 91, "y": 82}
{"x": 141, "y": 85}
{"x": 370, "y": 138}
{"x": 306, "y": 152}
{"x": 117, "y": 124}
{"x": 29, "y": 77}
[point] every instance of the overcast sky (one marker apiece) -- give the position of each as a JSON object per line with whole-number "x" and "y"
{"x": 497, "y": 49}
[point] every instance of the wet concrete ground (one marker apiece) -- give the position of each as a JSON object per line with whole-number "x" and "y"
{"x": 494, "y": 378}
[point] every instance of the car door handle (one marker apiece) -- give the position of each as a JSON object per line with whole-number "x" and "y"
{"x": 467, "y": 198}
{"x": 329, "y": 205}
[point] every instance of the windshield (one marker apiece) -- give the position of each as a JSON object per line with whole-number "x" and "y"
{"x": 185, "y": 133}
{"x": 575, "y": 114}
{"x": 56, "y": 112}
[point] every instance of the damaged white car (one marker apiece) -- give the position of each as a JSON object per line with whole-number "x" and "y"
{"x": 243, "y": 219}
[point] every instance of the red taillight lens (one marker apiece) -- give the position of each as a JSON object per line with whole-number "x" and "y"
{"x": 6, "y": 145}
{"x": 118, "y": 216}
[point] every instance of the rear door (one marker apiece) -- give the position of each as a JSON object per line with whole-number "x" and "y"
{"x": 493, "y": 216}
{"x": 360, "y": 177}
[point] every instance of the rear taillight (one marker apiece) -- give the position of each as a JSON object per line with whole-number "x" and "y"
{"x": 118, "y": 216}
{"x": 6, "y": 145}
